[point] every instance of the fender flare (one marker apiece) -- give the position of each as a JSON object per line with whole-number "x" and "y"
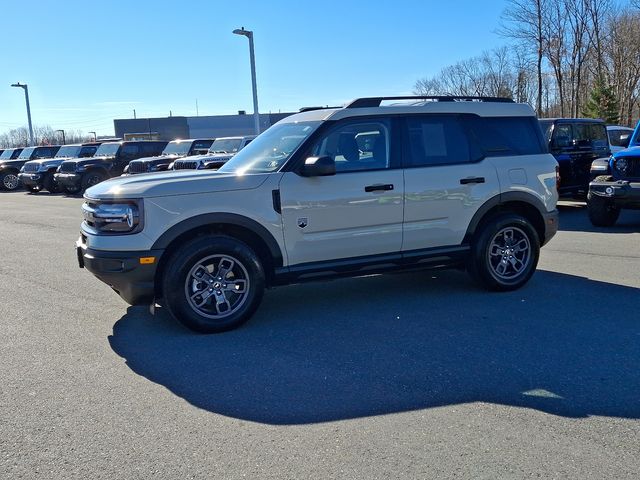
{"x": 209, "y": 219}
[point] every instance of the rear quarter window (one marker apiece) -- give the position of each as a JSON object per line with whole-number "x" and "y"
{"x": 506, "y": 136}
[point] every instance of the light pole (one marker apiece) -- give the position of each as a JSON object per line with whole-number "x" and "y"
{"x": 256, "y": 115}
{"x": 64, "y": 140}
{"x": 26, "y": 96}
{"x": 95, "y": 136}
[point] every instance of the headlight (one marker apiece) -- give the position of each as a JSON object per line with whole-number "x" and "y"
{"x": 113, "y": 217}
{"x": 622, "y": 164}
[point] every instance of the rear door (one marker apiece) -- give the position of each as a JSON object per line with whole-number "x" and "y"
{"x": 446, "y": 181}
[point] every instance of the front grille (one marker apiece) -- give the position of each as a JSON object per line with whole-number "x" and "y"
{"x": 630, "y": 170}
{"x": 185, "y": 165}
{"x": 31, "y": 167}
{"x": 138, "y": 167}
{"x": 68, "y": 167}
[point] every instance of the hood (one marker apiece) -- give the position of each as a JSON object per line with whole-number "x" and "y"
{"x": 13, "y": 163}
{"x": 159, "y": 159}
{"x": 180, "y": 182}
{"x": 628, "y": 152}
{"x": 91, "y": 160}
{"x": 51, "y": 160}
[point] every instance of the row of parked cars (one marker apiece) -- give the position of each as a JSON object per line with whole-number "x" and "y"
{"x": 74, "y": 168}
{"x": 596, "y": 162}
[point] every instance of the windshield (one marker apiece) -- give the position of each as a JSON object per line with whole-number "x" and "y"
{"x": 26, "y": 153}
{"x": 225, "y": 145}
{"x": 68, "y": 151}
{"x": 6, "y": 155}
{"x": 270, "y": 150}
{"x": 176, "y": 148}
{"x": 107, "y": 149}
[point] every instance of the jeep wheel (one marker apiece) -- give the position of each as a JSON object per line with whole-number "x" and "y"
{"x": 32, "y": 189}
{"x": 90, "y": 179}
{"x": 9, "y": 181}
{"x": 602, "y": 212}
{"x": 213, "y": 283}
{"x": 505, "y": 253}
{"x": 50, "y": 185}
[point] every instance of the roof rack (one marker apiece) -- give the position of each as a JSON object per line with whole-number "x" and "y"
{"x": 369, "y": 102}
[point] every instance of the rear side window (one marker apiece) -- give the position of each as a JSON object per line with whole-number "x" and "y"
{"x": 436, "y": 140}
{"x": 45, "y": 152}
{"x": 506, "y": 136}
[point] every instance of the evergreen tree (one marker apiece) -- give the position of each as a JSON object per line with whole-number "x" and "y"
{"x": 602, "y": 103}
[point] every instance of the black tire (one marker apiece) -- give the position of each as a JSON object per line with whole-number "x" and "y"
{"x": 183, "y": 275}
{"x": 503, "y": 261}
{"x": 32, "y": 189}
{"x": 50, "y": 185}
{"x": 71, "y": 190}
{"x": 9, "y": 181}
{"x": 602, "y": 212}
{"x": 90, "y": 179}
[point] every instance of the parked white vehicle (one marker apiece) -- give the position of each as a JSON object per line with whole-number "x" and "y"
{"x": 371, "y": 187}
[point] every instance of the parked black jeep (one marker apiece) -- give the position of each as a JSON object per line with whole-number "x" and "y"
{"x": 37, "y": 175}
{"x": 174, "y": 150}
{"x": 618, "y": 188}
{"x": 10, "y": 168}
{"x": 220, "y": 151}
{"x": 576, "y": 143}
{"x": 110, "y": 160}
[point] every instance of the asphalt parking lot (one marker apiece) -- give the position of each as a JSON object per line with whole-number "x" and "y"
{"x": 417, "y": 375}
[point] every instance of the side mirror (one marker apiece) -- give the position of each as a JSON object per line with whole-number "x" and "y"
{"x": 318, "y": 167}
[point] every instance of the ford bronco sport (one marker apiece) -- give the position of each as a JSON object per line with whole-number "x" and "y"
{"x": 381, "y": 184}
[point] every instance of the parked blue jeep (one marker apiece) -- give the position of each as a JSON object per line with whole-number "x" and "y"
{"x": 617, "y": 185}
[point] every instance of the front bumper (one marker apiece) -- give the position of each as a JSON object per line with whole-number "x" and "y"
{"x": 69, "y": 180}
{"x": 623, "y": 194}
{"x": 551, "y": 223}
{"x": 33, "y": 180}
{"x": 130, "y": 274}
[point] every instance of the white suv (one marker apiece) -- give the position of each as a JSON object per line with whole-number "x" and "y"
{"x": 371, "y": 187}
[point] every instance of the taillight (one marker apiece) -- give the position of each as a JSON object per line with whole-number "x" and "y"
{"x": 557, "y": 177}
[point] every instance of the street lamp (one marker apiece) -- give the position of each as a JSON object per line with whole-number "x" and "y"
{"x": 64, "y": 140}
{"x": 256, "y": 115}
{"x": 26, "y": 96}
{"x": 95, "y": 137}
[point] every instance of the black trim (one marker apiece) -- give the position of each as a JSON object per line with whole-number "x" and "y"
{"x": 372, "y": 102}
{"x": 277, "y": 204}
{"x": 347, "y": 267}
{"x": 122, "y": 271}
{"x": 212, "y": 219}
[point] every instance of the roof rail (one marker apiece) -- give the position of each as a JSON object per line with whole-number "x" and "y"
{"x": 369, "y": 102}
{"x": 309, "y": 109}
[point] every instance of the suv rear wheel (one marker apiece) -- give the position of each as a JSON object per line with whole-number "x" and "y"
{"x": 505, "y": 253}
{"x": 213, "y": 283}
{"x": 9, "y": 181}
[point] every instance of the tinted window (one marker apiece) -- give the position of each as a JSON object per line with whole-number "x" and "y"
{"x": 129, "y": 151}
{"x": 87, "y": 151}
{"x": 505, "y": 136}
{"x": 46, "y": 152}
{"x": 437, "y": 140}
{"x": 356, "y": 146}
{"x": 619, "y": 138}
{"x": 6, "y": 154}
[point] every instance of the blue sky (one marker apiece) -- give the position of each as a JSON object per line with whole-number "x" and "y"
{"x": 89, "y": 62}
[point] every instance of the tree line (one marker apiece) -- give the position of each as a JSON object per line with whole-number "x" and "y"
{"x": 567, "y": 58}
{"x": 42, "y": 135}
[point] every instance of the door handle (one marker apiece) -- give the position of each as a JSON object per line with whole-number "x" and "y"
{"x": 379, "y": 188}
{"x": 466, "y": 181}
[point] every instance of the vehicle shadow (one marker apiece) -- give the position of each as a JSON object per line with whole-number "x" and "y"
{"x": 574, "y": 218}
{"x": 564, "y": 345}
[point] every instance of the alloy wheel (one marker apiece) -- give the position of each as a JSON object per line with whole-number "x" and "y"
{"x": 509, "y": 253}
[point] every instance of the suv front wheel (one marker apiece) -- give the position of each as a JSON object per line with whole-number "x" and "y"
{"x": 505, "y": 253}
{"x": 213, "y": 283}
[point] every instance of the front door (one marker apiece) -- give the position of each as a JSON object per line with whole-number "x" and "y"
{"x": 356, "y": 212}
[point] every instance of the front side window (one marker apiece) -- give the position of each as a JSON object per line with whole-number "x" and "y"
{"x": 176, "y": 148}
{"x": 6, "y": 155}
{"x": 437, "y": 140}
{"x": 68, "y": 151}
{"x": 87, "y": 151}
{"x": 129, "y": 151}
{"x": 562, "y": 135}
{"x": 226, "y": 145}
{"x": 356, "y": 146}
{"x": 26, "y": 153}
{"x": 107, "y": 149}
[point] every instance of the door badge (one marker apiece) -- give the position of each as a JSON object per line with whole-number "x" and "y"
{"x": 303, "y": 222}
